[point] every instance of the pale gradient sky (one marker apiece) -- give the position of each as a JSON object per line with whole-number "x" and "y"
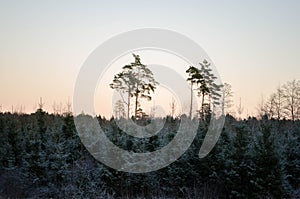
{"x": 255, "y": 45}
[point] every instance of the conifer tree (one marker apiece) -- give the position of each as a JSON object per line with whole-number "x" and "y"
{"x": 194, "y": 78}
{"x": 137, "y": 81}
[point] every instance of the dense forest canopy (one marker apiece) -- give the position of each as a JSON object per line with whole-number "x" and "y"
{"x": 42, "y": 156}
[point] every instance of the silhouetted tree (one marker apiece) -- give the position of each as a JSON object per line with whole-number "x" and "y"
{"x": 209, "y": 87}
{"x": 240, "y": 109}
{"x": 275, "y": 104}
{"x": 227, "y": 101}
{"x": 119, "y": 109}
{"x": 195, "y": 78}
{"x": 173, "y": 107}
{"x": 137, "y": 81}
{"x": 205, "y": 81}
{"x": 291, "y": 94}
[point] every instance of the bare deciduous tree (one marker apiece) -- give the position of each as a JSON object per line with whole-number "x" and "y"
{"x": 240, "y": 109}
{"x": 173, "y": 107}
{"x": 275, "y": 104}
{"x": 41, "y": 104}
{"x": 291, "y": 93}
{"x": 119, "y": 109}
{"x": 68, "y": 108}
{"x": 227, "y": 101}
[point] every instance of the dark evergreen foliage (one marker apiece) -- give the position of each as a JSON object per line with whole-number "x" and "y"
{"x": 42, "y": 157}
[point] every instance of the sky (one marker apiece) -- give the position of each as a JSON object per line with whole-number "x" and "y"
{"x": 255, "y": 45}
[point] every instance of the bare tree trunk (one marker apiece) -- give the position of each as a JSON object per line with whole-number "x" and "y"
{"x": 191, "y": 105}
{"x": 202, "y": 106}
{"x": 128, "y": 106}
{"x": 136, "y": 104}
{"x": 279, "y": 103}
{"x": 173, "y": 107}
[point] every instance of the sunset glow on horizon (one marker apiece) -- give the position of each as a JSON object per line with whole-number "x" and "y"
{"x": 255, "y": 46}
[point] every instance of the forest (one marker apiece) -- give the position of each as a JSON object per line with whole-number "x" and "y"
{"x": 42, "y": 154}
{"x": 42, "y": 157}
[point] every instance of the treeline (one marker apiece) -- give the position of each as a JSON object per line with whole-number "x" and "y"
{"x": 42, "y": 157}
